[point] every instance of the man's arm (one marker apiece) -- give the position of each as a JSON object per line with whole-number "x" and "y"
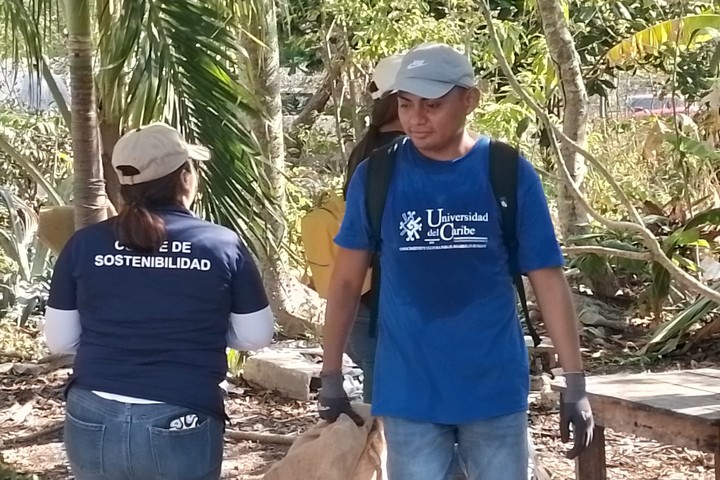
{"x": 555, "y": 301}
{"x": 344, "y": 293}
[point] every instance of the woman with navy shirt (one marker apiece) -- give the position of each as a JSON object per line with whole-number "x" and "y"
{"x": 149, "y": 301}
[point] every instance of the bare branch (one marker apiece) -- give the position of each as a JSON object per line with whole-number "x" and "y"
{"x": 321, "y": 97}
{"x": 679, "y": 275}
{"x": 53, "y": 429}
{"x": 235, "y": 435}
{"x": 260, "y": 437}
{"x": 574, "y": 251}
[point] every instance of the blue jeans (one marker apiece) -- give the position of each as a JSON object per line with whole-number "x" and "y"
{"x": 109, "y": 440}
{"x": 361, "y": 349}
{"x": 490, "y": 449}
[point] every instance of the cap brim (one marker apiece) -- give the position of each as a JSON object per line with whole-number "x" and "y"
{"x": 430, "y": 89}
{"x": 198, "y": 152}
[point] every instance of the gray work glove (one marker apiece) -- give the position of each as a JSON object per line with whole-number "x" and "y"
{"x": 575, "y": 410}
{"x": 333, "y": 399}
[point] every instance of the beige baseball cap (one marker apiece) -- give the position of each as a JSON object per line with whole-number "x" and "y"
{"x": 384, "y": 75}
{"x": 155, "y": 151}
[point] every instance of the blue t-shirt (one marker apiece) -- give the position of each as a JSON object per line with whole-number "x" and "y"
{"x": 450, "y": 346}
{"x": 154, "y": 326}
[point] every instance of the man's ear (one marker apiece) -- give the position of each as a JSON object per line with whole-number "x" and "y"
{"x": 472, "y": 100}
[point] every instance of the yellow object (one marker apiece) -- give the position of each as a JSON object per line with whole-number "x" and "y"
{"x": 317, "y": 230}
{"x": 57, "y": 224}
{"x": 679, "y": 31}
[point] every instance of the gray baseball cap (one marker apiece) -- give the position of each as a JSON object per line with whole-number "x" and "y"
{"x": 431, "y": 70}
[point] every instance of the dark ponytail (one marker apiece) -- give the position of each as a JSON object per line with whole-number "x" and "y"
{"x": 384, "y": 112}
{"x": 138, "y": 226}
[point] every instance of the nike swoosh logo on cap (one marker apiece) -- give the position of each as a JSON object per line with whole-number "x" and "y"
{"x": 416, "y": 64}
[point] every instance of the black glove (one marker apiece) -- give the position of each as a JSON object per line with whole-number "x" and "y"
{"x": 333, "y": 399}
{"x": 575, "y": 410}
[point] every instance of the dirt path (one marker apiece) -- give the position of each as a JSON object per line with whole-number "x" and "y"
{"x": 30, "y": 403}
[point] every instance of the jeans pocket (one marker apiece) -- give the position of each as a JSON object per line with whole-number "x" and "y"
{"x": 84, "y": 446}
{"x": 189, "y": 454}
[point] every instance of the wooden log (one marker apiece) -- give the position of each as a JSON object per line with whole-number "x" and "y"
{"x": 238, "y": 435}
{"x": 590, "y": 465}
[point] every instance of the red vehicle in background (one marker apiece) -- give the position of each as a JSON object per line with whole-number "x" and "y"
{"x": 646, "y": 105}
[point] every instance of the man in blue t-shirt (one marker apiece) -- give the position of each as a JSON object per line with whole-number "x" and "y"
{"x": 451, "y": 363}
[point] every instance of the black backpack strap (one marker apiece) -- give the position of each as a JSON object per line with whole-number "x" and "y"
{"x": 381, "y": 165}
{"x": 504, "y": 161}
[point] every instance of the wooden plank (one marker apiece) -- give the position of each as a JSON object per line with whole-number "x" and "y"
{"x": 717, "y": 465}
{"x": 658, "y": 376}
{"x": 590, "y": 465}
{"x": 691, "y": 395}
{"x": 661, "y": 425}
{"x": 707, "y": 372}
{"x": 691, "y": 379}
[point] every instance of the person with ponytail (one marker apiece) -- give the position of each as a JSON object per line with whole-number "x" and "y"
{"x": 384, "y": 122}
{"x": 148, "y": 302}
{"x": 384, "y": 128}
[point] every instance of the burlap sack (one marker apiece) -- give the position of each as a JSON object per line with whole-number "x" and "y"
{"x": 57, "y": 224}
{"x": 55, "y": 227}
{"x": 336, "y": 451}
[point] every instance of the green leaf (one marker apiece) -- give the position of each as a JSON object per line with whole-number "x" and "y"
{"x": 522, "y": 127}
{"x": 585, "y": 236}
{"x": 693, "y": 147}
{"x": 670, "y": 332}
{"x": 708, "y": 217}
{"x": 687, "y": 236}
{"x": 620, "y": 245}
{"x": 685, "y": 263}
{"x": 679, "y": 31}
{"x": 660, "y": 286}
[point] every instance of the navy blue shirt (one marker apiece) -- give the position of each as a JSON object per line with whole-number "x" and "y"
{"x": 154, "y": 325}
{"x": 450, "y": 347}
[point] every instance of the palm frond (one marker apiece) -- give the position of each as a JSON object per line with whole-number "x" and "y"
{"x": 33, "y": 172}
{"x": 119, "y": 51}
{"x": 23, "y": 223}
{"x": 236, "y": 191}
{"x": 22, "y": 19}
{"x": 177, "y": 60}
{"x": 28, "y": 26}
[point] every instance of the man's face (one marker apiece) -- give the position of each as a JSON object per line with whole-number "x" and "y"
{"x": 434, "y": 124}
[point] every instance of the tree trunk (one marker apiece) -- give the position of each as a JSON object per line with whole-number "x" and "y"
{"x": 89, "y": 187}
{"x": 109, "y": 135}
{"x": 562, "y": 50}
{"x": 572, "y": 219}
{"x": 111, "y": 82}
{"x": 357, "y": 120}
{"x": 297, "y": 307}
